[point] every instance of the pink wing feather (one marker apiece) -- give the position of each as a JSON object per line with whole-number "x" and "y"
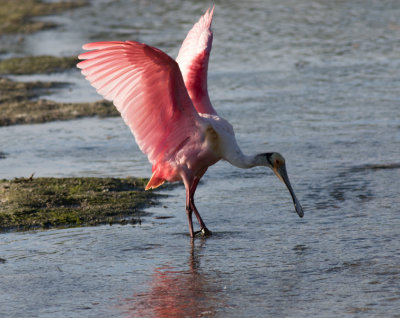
{"x": 193, "y": 62}
{"x": 147, "y": 88}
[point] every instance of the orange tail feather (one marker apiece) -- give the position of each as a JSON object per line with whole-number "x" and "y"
{"x": 154, "y": 182}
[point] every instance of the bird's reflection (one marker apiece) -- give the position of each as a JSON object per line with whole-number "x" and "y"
{"x": 177, "y": 292}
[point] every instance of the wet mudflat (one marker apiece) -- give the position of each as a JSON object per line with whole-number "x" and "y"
{"x": 316, "y": 81}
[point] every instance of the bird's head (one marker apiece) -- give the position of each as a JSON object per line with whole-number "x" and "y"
{"x": 276, "y": 162}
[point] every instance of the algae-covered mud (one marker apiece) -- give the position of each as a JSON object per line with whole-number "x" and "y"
{"x": 17, "y": 16}
{"x": 28, "y": 203}
{"x": 19, "y": 104}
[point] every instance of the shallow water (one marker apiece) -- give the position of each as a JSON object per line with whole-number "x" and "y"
{"x": 315, "y": 80}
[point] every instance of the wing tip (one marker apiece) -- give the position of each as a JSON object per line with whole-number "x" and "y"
{"x": 208, "y": 16}
{"x": 211, "y": 11}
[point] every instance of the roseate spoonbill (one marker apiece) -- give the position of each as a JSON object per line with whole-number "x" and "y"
{"x": 166, "y": 105}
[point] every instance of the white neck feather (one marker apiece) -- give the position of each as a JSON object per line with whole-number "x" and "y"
{"x": 241, "y": 160}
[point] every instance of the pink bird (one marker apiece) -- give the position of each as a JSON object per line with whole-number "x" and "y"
{"x": 166, "y": 105}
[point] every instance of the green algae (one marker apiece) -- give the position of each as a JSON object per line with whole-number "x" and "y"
{"x": 32, "y": 203}
{"x": 18, "y": 104}
{"x": 37, "y": 64}
{"x": 16, "y": 16}
{"x": 11, "y": 91}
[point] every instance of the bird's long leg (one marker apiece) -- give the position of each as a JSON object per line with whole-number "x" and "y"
{"x": 192, "y": 205}
{"x": 189, "y": 210}
{"x": 203, "y": 228}
{"x": 191, "y": 183}
{"x": 189, "y": 213}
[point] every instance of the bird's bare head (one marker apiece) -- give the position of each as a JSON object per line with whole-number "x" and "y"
{"x": 276, "y": 162}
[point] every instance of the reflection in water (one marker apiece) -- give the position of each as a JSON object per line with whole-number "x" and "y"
{"x": 177, "y": 293}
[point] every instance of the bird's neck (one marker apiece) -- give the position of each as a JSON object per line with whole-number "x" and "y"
{"x": 241, "y": 160}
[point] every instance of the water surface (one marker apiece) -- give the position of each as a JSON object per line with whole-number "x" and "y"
{"x": 315, "y": 80}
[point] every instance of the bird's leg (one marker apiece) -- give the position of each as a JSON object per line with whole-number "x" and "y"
{"x": 203, "y": 228}
{"x": 191, "y": 201}
{"x": 190, "y": 186}
{"x": 189, "y": 212}
{"x": 189, "y": 215}
{"x": 189, "y": 209}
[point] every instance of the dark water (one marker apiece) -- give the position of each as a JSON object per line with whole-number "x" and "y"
{"x": 315, "y": 80}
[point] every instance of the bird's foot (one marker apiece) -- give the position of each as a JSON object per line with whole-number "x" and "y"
{"x": 203, "y": 232}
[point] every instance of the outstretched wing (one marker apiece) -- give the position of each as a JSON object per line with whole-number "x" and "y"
{"x": 147, "y": 88}
{"x": 193, "y": 62}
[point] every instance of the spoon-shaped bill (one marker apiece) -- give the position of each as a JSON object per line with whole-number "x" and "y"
{"x": 283, "y": 176}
